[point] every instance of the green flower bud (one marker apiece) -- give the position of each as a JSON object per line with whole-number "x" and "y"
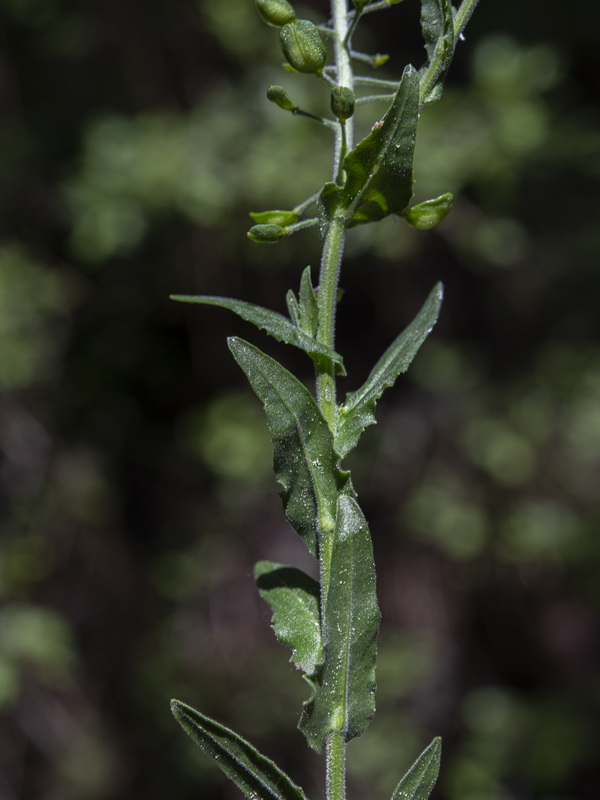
{"x": 267, "y": 234}
{"x": 342, "y": 102}
{"x": 360, "y": 4}
{"x": 275, "y": 12}
{"x": 303, "y": 47}
{"x": 380, "y": 59}
{"x": 278, "y": 95}
{"x": 427, "y": 215}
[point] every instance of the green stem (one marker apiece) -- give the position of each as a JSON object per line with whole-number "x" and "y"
{"x": 344, "y": 72}
{"x": 462, "y": 17}
{"x": 374, "y": 98}
{"x": 336, "y": 766}
{"x": 335, "y": 234}
{"x": 333, "y": 248}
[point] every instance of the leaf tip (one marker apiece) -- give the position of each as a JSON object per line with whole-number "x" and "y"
{"x": 177, "y": 709}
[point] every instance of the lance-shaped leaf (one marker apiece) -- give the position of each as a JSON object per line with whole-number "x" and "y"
{"x": 294, "y": 599}
{"x": 358, "y": 411}
{"x": 304, "y": 460}
{"x": 309, "y": 308}
{"x": 344, "y": 694}
{"x": 437, "y": 25}
{"x": 420, "y": 779}
{"x": 379, "y": 171}
{"x": 254, "y": 774}
{"x": 272, "y": 322}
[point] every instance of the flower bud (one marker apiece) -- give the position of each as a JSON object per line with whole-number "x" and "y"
{"x": 275, "y": 12}
{"x": 278, "y": 95}
{"x": 342, "y": 102}
{"x": 359, "y": 4}
{"x": 303, "y": 47}
{"x": 267, "y": 234}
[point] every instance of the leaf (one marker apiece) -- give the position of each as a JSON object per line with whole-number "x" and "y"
{"x": 358, "y": 411}
{"x": 282, "y": 218}
{"x": 428, "y": 214}
{"x": 379, "y": 178}
{"x": 294, "y": 598}
{"x": 420, "y": 779}
{"x": 304, "y": 460}
{"x": 344, "y": 695}
{"x": 272, "y": 322}
{"x": 254, "y": 774}
{"x": 437, "y": 25}
{"x": 309, "y": 309}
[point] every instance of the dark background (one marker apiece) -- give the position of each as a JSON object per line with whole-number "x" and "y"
{"x": 135, "y": 468}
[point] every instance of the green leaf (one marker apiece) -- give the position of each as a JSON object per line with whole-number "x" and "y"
{"x": 276, "y": 217}
{"x": 273, "y": 323}
{"x": 293, "y": 307}
{"x": 358, "y": 411}
{"x": 304, "y": 460}
{"x": 430, "y": 213}
{"x": 309, "y": 309}
{"x": 420, "y": 779}
{"x": 379, "y": 170}
{"x": 329, "y": 203}
{"x": 294, "y": 598}
{"x": 254, "y": 774}
{"x": 344, "y": 695}
{"x": 437, "y": 25}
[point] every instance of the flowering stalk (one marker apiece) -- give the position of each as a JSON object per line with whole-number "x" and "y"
{"x": 331, "y": 625}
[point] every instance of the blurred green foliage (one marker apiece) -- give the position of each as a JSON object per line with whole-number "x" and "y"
{"x": 135, "y": 140}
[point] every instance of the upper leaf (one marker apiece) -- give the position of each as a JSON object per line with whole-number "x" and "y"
{"x": 437, "y": 25}
{"x": 304, "y": 460}
{"x": 254, "y": 774}
{"x": 308, "y": 309}
{"x": 379, "y": 170}
{"x": 344, "y": 695}
{"x": 357, "y": 413}
{"x": 420, "y": 779}
{"x": 294, "y": 598}
{"x": 272, "y": 322}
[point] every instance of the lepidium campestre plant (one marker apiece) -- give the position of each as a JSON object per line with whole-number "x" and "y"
{"x": 331, "y": 625}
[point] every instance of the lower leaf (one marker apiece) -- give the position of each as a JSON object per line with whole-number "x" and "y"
{"x": 255, "y": 775}
{"x": 294, "y": 598}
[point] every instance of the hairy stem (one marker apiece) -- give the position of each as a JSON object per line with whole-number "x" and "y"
{"x": 463, "y": 16}
{"x": 336, "y": 766}
{"x": 344, "y": 73}
{"x": 333, "y": 249}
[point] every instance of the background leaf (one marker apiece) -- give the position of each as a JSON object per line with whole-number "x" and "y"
{"x": 254, "y": 774}
{"x": 272, "y": 322}
{"x": 304, "y": 460}
{"x": 344, "y": 697}
{"x": 358, "y": 411}
{"x": 294, "y": 598}
{"x": 379, "y": 170}
{"x": 420, "y": 779}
